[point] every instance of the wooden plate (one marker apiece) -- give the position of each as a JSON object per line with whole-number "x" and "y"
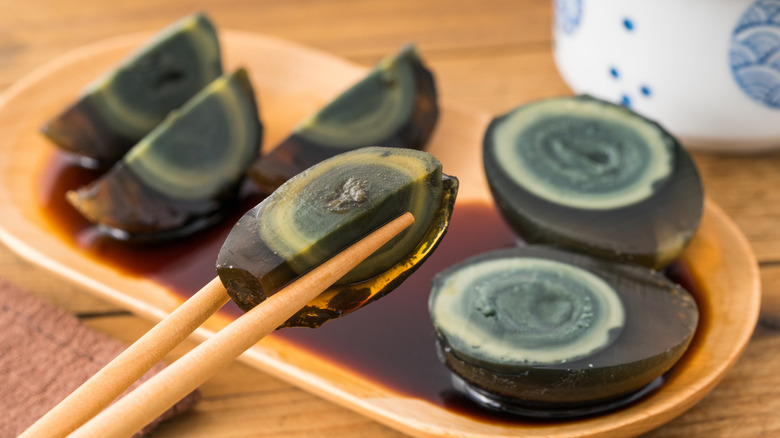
{"x": 292, "y": 81}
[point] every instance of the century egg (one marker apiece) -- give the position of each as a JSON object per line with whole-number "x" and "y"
{"x": 395, "y": 105}
{"x": 541, "y": 329}
{"x": 326, "y": 208}
{"x": 118, "y": 109}
{"x": 594, "y": 177}
{"x": 180, "y": 177}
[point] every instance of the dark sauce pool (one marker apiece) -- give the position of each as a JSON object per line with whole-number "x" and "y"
{"x": 391, "y": 342}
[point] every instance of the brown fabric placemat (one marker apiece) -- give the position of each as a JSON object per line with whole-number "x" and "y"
{"x": 46, "y": 353}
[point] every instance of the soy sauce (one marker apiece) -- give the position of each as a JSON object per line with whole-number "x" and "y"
{"x": 390, "y": 342}
{"x": 182, "y": 266}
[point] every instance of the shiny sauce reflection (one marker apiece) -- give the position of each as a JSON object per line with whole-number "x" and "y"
{"x": 391, "y": 342}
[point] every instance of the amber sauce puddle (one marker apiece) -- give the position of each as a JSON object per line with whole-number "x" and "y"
{"x": 183, "y": 265}
{"x": 391, "y": 342}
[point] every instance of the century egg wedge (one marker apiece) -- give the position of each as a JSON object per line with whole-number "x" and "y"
{"x": 542, "y": 331}
{"x": 395, "y": 105}
{"x": 324, "y": 209}
{"x": 180, "y": 177}
{"x": 118, "y": 109}
{"x": 594, "y": 177}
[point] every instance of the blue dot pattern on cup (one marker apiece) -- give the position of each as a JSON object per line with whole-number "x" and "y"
{"x": 755, "y": 52}
{"x": 568, "y": 15}
{"x": 644, "y": 89}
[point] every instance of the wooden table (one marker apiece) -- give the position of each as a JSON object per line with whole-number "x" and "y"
{"x": 492, "y": 55}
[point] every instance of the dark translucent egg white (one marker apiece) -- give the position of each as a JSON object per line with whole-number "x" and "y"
{"x": 594, "y": 177}
{"x": 394, "y": 105}
{"x": 119, "y": 108}
{"x": 329, "y": 206}
{"x": 183, "y": 175}
{"x": 547, "y": 327}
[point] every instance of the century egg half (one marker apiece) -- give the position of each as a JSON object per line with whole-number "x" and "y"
{"x": 118, "y": 109}
{"x": 393, "y": 106}
{"x": 540, "y": 329}
{"x": 324, "y": 209}
{"x": 180, "y": 177}
{"x": 595, "y": 177}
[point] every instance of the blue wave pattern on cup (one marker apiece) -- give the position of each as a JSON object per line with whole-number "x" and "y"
{"x": 568, "y": 15}
{"x": 755, "y": 52}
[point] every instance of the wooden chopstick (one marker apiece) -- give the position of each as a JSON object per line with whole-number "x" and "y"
{"x": 152, "y": 398}
{"x": 94, "y": 394}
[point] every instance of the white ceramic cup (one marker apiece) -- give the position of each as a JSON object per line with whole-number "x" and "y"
{"x": 707, "y": 70}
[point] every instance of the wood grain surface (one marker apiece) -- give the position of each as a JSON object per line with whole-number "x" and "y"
{"x": 491, "y": 55}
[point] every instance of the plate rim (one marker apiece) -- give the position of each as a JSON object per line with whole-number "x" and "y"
{"x": 265, "y": 357}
